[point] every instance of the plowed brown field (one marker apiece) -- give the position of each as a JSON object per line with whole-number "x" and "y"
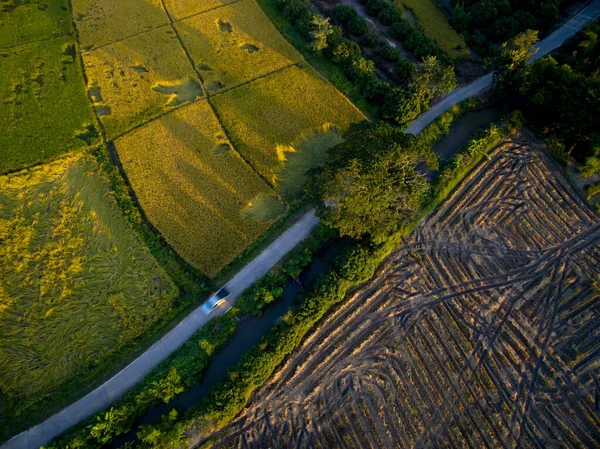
{"x": 481, "y": 332}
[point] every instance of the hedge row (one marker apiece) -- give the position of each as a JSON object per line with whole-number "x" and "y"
{"x": 185, "y": 366}
{"x": 355, "y": 266}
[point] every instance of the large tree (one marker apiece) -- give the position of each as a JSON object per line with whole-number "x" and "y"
{"x": 370, "y": 183}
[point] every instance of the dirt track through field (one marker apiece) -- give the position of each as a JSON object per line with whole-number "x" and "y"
{"x": 481, "y": 332}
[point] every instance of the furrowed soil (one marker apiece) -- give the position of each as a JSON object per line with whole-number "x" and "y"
{"x": 481, "y": 331}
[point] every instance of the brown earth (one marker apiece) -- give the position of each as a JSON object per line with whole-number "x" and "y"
{"x": 482, "y": 331}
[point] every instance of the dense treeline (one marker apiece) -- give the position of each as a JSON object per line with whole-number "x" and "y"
{"x": 501, "y": 20}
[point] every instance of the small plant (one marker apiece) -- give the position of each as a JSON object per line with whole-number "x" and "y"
{"x": 345, "y": 13}
{"x": 358, "y": 26}
{"x": 371, "y": 40}
{"x": 405, "y": 69}
{"x": 389, "y": 53}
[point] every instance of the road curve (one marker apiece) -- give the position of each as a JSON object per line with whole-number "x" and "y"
{"x": 555, "y": 40}
{"x": 115, "y": 387}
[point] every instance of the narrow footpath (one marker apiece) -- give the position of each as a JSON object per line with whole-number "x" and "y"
{"x": 115, "y": 387}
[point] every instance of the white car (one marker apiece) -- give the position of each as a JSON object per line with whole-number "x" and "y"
{"x": 215, "y": 300}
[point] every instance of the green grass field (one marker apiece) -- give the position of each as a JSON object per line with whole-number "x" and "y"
{"x": 193, "y": 185}
{"x": 435, "y": 25}
{"x": 235, "y": 44}
{"x": 23, "y": 22}
{"x": 44, "y": 109}
{"x": 75, "y": 282}
{"x": 264, "y": 118}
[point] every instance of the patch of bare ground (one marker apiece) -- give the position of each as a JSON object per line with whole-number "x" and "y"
{"x": 480, "y": 332}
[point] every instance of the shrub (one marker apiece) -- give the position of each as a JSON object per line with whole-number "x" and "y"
{"x": 345, "y": 13}
{"x": 357, "y": 264}
{"x": 371, "y": 40}
{"x": 358, "y": 26}
{"x": 421, "y": 45}
{"x": 405, "y": 69}
{"x": 346, "y": 51}
{"x": 389, "y": 53}
{"x": 402, "y": 29}
{"x": 389, "y": 14}
{"x": 374, "y": 6}
{"x": 361, "y": 70}
{"x": 375, "y": 90}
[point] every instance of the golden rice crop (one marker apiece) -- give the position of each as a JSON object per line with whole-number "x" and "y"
{"x": 186, "y": 8}
{"x": 268, "y": 115}
{"x": 234, "y": 44}
{"x": 137, "y": 79}
{"x": 75, "y": 281}
{"x": 435, "y": 25}
{"x": 193, "y": 185}
{"x": 100, "y": 22}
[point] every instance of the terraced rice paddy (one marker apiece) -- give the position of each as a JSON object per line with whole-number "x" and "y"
{"x": 234, "y": 44}
{"x": 193, "y": 186}
{"x": 139, "y": 78}
{"x": 481, "y": 331}
{"x": 267, "y": 117}
{"x": 101, "y": 22}
{"x": 75, "y": 282}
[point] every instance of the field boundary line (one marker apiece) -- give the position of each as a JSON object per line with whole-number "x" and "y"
{"x": 205, "y": 91}
{"x": 170, "y": 22}
{"x": 259, "y": 77}
{"x": 44, "y": 39}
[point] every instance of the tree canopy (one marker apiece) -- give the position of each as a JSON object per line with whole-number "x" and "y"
{"x": 370, "y": 183}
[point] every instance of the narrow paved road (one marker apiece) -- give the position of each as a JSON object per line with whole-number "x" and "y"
{"x": 115, "y": 387}
{"x": 544, "y": 47}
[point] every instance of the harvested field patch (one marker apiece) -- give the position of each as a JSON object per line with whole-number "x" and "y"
{"x": 139, "y": 78}
{"x": 25, "y": 21}
{"x": 481, "y": 331}
{"x": 76, "y": 284}
{"x": 237, "y": 43}
{"x": 193, "y": 186}
{"x": 101, "y": 22}
{"x": 45, "y": 111}
{"x": 180, "y": 9}
{"x": 435, "y": 24}
{"x": 268, "y": 115}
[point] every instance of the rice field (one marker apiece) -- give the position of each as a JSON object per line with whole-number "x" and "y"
{"x": 266, "y": 117}
{"x": 24, "y": 22}
{"x": 44, "y": 109}
{"x": 101, "y": 22}
{"x": 435, "y": 24}
{"x": 193, "y": 186}
{"x": 136, "y": 79}
{"x": 235, "y": 44}
{"x": 180, "y": 9}
{"x": 75, "y": 282}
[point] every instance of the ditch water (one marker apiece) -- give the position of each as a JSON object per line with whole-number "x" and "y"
{"x": 462, "y": 130}
{"x": 250, "y": 331}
